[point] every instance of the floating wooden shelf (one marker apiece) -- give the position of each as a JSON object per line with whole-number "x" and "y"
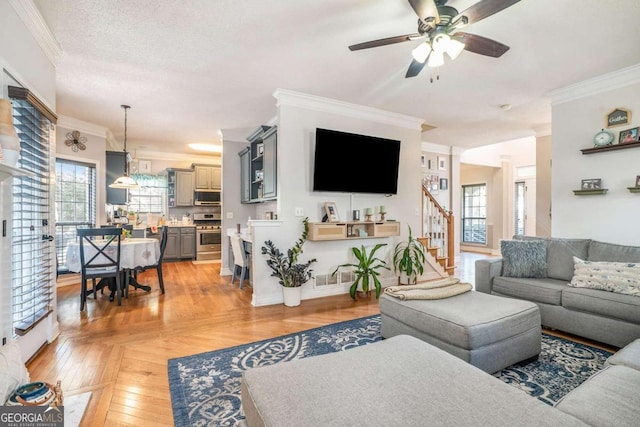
{"x": 610, "y": 148}
{"x": 634, "y": 189}
{"x": 590, "y": 192}
{"x": 352, "y": 230}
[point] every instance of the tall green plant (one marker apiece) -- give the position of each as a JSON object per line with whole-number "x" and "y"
{"x": 409, "y": 258}
{"x": 366, "y": 269}
{"x": 286, "y": 268}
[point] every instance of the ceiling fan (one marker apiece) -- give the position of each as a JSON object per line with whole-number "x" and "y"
{"x": 438, "y": 25}
{"x": 75, "y": 141}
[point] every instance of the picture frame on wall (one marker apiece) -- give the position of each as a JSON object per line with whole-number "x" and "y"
{"x": 627, "y": 136}
{"x": 444, "y": 184}
{"x": 331, "y": 210}
{"x": 423, "y": 161}
{"x": 638, "y": 181}
{"x": 591, "y": 184}
{"x": 442, "y": 163}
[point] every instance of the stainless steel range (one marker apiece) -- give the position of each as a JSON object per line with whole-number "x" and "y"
{"x": 208, "y": 236}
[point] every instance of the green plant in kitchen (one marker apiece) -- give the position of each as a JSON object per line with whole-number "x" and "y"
{"x": 409, "y": 259}
{"x": 367, "y": 270}
{"x": 286, "y": 268}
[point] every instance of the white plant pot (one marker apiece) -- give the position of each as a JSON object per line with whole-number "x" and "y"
{"x": 291, "y": 296}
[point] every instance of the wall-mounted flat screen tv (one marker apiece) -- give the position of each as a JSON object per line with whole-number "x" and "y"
{"x": 352, "y": 163}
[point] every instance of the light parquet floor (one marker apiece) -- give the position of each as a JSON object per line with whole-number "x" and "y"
{"x": 120, "y": 354}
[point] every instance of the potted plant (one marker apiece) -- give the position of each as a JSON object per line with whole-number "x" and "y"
{"x": 409, "y": 259}
{"x": 291, "y": 274}
{"x": 366, "y": 270}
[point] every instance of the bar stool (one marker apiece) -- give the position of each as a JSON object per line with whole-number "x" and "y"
{"x": 239, "y": 259}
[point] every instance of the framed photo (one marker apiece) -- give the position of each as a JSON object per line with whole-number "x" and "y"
{"x": 591, "y": 184}
{"x": 423, "y": 161}
{"x": 260, "y": 149}
{"x": 259, "y": 175}
{"x": 331, "y": 211}
{"x": 638, "y": 181}
{"x": 629, "y": 135}
{"x": 442, "y": 163}
{"x": 444, "y": 183}
{"x": 430, "y": 164}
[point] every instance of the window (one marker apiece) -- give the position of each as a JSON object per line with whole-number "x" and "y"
{"x": 474, "y": 214}
{"x": 151, "y": 194}
{"x": 519, "y": 211}
{"x": 75, "y": 204}
{"x": 32, "y": 253}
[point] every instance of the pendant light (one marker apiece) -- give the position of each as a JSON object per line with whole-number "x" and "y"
{"x": 125, "y": 181}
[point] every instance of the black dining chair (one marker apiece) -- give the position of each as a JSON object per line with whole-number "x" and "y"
{"x": 102, "y": 260}
{"x": 157, "y": 266}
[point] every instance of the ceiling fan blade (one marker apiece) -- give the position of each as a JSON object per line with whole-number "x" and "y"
{"x": 384, "y": 42}
{"x": 426, "y": 9}
{"x": 482, "y": 45}
{"x": 483, "y": 9}
{"x": 414, "y": 68}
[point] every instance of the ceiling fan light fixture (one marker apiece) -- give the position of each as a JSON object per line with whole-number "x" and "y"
{"x": 436, "y": 59}
{"x": 421, "y": 52}
{"x": 454, "y": 48}
{"x": 440, "y": 42}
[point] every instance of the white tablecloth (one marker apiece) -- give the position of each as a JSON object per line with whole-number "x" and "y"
{"x": 134, "y": 252}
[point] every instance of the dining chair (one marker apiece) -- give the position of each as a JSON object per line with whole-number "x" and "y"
{"x": 157, "y": 266}
{"x": 239, "y": 259}
{"x": 102, "y": 260}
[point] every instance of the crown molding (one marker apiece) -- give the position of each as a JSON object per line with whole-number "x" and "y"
{"x": 112, "y": 142}
{"x": 607, "y": 82}
{"x": 326, "y": 105}
{"x": 435, "y": 148}
{"x": 214, "y": 159}
{"x": 35, "y": 23}
{"x": 82, "y": 126}
{"x": 542, "y": 130}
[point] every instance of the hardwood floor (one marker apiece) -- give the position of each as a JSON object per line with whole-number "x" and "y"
{"x": 120, "y": 353}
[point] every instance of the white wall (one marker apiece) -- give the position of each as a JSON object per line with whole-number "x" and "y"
{"x": 578, "y": 113}
{"x": 543, "y": 186}
{"x": 298, "y": 117}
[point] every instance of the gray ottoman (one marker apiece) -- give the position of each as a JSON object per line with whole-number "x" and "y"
{"x": 488, "y": 331}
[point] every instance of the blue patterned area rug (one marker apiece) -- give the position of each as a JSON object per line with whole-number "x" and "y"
{"x": 205, "y": 388}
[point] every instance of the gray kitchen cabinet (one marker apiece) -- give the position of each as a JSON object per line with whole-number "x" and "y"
{"x": 181, "y": 243}
{"x": 208, "y": 177}
{"x": 173, "y": 240}
{"x": 187, "y": 242}
{"x": 115, "y": 169}
{"x": 245, "y": 175}
{"x": 179, "y": 187}
{"x": 269, "y": 164}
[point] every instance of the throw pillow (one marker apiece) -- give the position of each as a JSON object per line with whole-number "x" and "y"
{"x": 524, "y": 258}
{"x": 619, "y": 277}
{"x": 13, "y": 373}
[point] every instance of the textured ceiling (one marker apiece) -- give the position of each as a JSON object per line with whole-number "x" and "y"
{"x": 190, "y": 69}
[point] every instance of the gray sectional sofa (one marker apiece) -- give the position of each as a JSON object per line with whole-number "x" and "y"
{"x": 403, "y": 381}
{"x": 599, "y": 315}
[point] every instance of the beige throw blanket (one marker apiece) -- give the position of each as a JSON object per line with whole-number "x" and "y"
{"x": 436, "y": 289}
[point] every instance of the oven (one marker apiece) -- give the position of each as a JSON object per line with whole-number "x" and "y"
{"x": 208, "y": 236}
{"x": 208, "y": 242}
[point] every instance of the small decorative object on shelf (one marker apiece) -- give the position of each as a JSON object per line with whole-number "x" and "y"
{"x": 591, "y": 184}
{"x": 367, "y": 214}
{"x": 356, "y": 215}
{"x": 635, "y": 189}
{"x": 603, "y": 138}
{"x": 627, "y": 136}
{"x": 383, "y": 212}
{"x": 618, "y": 117}
{"x": 332, "y": 211}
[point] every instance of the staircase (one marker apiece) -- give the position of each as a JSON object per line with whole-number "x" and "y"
{"x": 437, "y": 232}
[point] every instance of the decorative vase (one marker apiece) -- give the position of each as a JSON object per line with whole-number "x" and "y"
{"x": 291, "y": 296}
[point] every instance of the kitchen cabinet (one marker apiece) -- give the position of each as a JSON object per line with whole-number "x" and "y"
{"x": 181, "y": 243}
{"x": 208, "y": 177}
{"x": 114, "y": 169}
{"x": 187, "y": 242}
{"x": 245, "y": 175}
{"x": 180, "y": 187}
{"x": 261, "y": 179}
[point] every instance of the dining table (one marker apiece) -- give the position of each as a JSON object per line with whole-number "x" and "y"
{"x": 134, "y": 252}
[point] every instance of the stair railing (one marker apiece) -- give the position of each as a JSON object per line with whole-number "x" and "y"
{"x": 437, "y": 223}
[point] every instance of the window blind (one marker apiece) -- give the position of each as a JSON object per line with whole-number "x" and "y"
{"x": 32, "y": 254}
